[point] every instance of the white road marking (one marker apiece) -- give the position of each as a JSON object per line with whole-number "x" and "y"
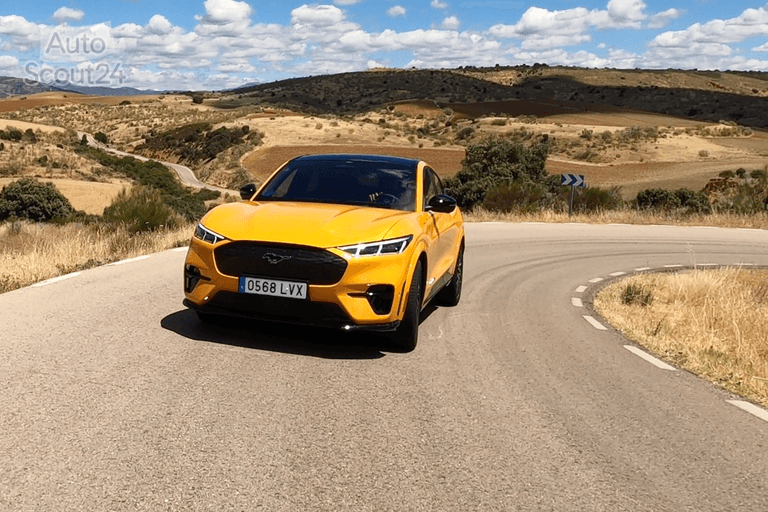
{"x": 673, "y": 266}
{"x": 648, "y": 357}
{"x": 750, "y": 408}
{"x": 179, "y": 249}
{"x": 746, "y": 264}
{"x": 131, "y": 260}
{"x": 597, "y": 325}
{"x": 617, "y": 274}
{"x": 577, "y": 302}
{"x": 706, "y": 265}
{"x": 642, "y": 269}
{"x": 581, "y": 289}
{"x": 56, "y": 279}
{"x": 596, "y": 280}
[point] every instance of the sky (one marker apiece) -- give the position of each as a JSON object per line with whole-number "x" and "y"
{"x": 223, "y": 44}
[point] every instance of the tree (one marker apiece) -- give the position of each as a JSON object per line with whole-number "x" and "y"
{"x": 28, "y": 198}
{"x": 495, "y": 162}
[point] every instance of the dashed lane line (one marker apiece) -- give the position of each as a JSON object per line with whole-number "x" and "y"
{"x": 577, "y": 302}
{"x": 581, "y": 289}
{"x": 750, "y": 408}
{"x": 130, "y": 260}
{"x": 648, "y": 357}
{"x": 594, "y": 323}
{"x": 55, "y": 279}
{"x": 596, "y": 280}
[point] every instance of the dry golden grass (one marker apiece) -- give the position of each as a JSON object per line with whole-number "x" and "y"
{"x": 628, "y": 216}
{"x": 35, "y": 252}
{"x": 711, "y": 322}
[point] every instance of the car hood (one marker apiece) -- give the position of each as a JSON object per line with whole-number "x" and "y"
{"x": 314, "y": 224}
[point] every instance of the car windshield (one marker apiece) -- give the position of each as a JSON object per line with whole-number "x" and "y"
{"x": 378, "y": 183}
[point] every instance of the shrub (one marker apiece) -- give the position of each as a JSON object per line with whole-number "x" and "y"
{"x": 518, "y": 197}
{"x": 657, "y": 198}
{"x": 662, "y": 199}
{"x": 465, "y": 133}
{"x": 635, "y": 294}
{"x": 594, "y": 199}
{"x": 143, "y": 209}
{"x": 758, "y": 174}
{"x": 101, "y": 137}
{"x": 727, "y": 174}
{"x": 27, "y": 198}
{"x": 499, "y": 122}
{"x": 495, "y": 162}
{"x": 29, "y": 136}
{"x": 741, "y": 173}
{"x": 703, "y": 153}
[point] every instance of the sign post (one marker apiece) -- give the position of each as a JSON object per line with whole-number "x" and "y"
{"x": 574, "y": 180}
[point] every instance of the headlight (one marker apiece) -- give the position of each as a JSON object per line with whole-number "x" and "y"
{"x": 206, "y": 235}
{"x": 394, "y": 246}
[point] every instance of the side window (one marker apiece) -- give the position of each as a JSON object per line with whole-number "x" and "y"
{"x": 432, "y": 185}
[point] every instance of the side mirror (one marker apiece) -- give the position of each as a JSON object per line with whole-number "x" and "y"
{"x": 441, "y": 204}
{"x": 247, "y": 191}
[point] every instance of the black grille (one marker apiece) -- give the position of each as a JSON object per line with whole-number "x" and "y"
{"x": 278, "y": 309}
{"x": 315, "y": 266}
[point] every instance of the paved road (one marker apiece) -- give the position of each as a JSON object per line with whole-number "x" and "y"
{"x": 185, "y": 174}
{"x": 114, "y": 397}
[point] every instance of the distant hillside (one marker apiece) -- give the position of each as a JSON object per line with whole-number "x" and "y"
{"x": 740, "y": 97}
{"x": 10, "y": 86}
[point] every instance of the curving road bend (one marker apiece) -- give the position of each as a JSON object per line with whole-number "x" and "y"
{"x": 116, "y": 398}
{"x": 185, "y": 174}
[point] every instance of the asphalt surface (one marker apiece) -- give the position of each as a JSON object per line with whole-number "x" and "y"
{"x": 114, "y": 397}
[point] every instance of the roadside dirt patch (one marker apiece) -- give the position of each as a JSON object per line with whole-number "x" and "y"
{"x": 262, "y": 163}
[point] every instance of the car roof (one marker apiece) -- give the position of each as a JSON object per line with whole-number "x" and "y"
{"x": 351, "y": 157}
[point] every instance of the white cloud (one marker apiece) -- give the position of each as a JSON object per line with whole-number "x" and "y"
{"x": 395, "y": 11}
{"x": 626, "y": 13}
{"x": 317, "y": 15}
{"x": 65, "y": 14}
{"x": 222, "y": 12}
{"x": 346, "y": 2}
{"x": 7, "y": 62}
{"x": 661, "y": 19}
{"x": 451, "y": 23}
{"x": 159, "y": 24}
{"x": 437, "y": 4}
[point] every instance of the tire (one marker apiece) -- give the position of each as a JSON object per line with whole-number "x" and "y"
{"x": 407, "y": 334}
{"x": 451, "y": 294}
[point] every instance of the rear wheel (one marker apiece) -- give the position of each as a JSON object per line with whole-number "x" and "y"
{"x": 407, "y": 334}
{"x": 451, "y": 294}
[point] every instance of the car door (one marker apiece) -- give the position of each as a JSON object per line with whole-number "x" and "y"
{"x": 445, "y": 226}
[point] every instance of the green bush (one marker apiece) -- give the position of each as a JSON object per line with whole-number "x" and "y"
{"x": 101, "y": 137}
{"x": 683, "y": 198}
{"x": 495, "y": 162}
{"x": 658, "y": 199}
{"x": 143, "y": 209}
{"x": 27, "y": 198}
{"x": 593, "y": 199}
{"x": 518, "y": 197}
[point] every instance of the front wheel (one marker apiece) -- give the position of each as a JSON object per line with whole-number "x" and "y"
{"x": 451, "y": 294}
{"x": 407, "y": 334}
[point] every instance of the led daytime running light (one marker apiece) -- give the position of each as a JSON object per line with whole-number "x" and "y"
{"x": 206, "y": 235}
{"x": 385, "y": 247}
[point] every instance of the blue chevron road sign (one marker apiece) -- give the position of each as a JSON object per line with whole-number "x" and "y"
{"x": 574, "y": 180}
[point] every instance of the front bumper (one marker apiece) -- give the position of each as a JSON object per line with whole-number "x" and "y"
{"x": 352, "y": 303}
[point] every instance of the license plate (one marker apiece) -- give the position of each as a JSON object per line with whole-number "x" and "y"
{"x": 273, "y": 287}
